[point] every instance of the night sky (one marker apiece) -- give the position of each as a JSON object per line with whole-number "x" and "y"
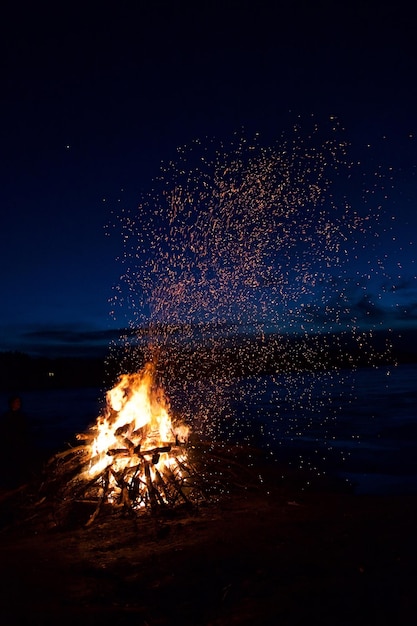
{"x": 93, "y": 99}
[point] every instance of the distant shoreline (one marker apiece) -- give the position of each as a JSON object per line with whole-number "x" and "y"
{"x": 240, "y": 356}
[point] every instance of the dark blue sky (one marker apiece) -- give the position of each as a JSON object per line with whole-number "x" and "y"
{"x": 93, "y": 99}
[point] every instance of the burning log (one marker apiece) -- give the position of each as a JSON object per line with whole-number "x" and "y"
{"x": 127, "y": 452}
{"x": 160, "y": 483}
{"x": 172, "y": 480}
{"x": 84, "y": 436}
{"x": 70, "y": 451}
{"x": 152, "y": 492}
{"x": 101, "y": 500}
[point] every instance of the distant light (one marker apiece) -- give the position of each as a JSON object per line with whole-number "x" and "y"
{"x": 51, "y": 374}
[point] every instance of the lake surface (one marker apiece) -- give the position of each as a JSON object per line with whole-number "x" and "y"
{"x": 360, "y": 426}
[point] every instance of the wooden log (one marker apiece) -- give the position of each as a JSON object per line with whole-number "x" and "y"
{"x": 159, "y": 497}
{"x": 162, "y": 484}
{"x": 127, "y": 494}
{"x": 154, "y": 451}
{"x": 193, "y": 478}
{"x": 185, "y": 468}
{"x": 124, "y": 497}
{"x": 101, "y": 501}
{"x": 85, "y": 436}
{"x": 78, "y": 486}
{"x": 65, "y": 453}
{"x": 129, "y": 445}
{"x": 150, "y": 487}
{"x": 135, "y": 485}
{"x": 118, "y": 477}
{"x": 122, "y": 430}
{"x": 118, "y": 452}
{"x": 172, "y": 480}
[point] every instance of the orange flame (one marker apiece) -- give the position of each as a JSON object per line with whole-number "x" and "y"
{"x": 136, "y": 426}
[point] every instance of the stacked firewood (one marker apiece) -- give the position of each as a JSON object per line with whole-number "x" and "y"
{"x": 196, "y": 474}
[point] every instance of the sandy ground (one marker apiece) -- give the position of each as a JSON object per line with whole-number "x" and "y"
{"x": 270, "y": 555}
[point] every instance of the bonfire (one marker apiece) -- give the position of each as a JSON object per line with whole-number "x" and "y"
{"x": 136, "y": 457}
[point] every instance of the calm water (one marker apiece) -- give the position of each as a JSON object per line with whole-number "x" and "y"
{"x": 57, "y": 415}
{"x": 361, "y": 427}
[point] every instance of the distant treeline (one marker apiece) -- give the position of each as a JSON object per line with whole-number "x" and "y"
{"x": 244, "y": 357}
{"x": 268, "y": 354}
{"x": 20, "y": 371}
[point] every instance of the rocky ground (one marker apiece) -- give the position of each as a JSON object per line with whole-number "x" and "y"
{"x": 272, "y": 554}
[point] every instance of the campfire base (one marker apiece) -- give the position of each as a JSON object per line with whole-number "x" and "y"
{"x": 202, "y": 472}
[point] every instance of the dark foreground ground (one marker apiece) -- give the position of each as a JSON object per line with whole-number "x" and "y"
{"x": 272, "y": 555}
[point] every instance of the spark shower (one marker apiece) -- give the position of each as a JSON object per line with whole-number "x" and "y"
{"x": 238, "y": 268}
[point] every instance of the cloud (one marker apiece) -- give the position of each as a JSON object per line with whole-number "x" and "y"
{"x": 62, "y": 340}
{"x": 70, "y": 335}
{"x": 407, "y": 312}
{"x": 367, "y": 309}
{"x": 407, "y": 285}
{"x": 363, "y": 310}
